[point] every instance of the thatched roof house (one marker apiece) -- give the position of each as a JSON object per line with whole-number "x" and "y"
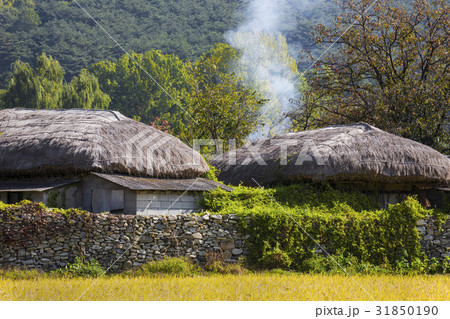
{"x": 61, "y": 142}
{"x": 358, "y": 155}
{"x": 90, "y": 156}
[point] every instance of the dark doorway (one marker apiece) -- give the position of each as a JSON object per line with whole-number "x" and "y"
{"x": 14, "y": 197}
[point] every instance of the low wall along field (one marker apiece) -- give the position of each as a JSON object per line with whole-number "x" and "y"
{"x": 48, "y": 240}
{"x": 36, "y": 238}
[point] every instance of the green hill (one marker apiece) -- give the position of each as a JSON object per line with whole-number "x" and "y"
{"x": 186, "y": 28}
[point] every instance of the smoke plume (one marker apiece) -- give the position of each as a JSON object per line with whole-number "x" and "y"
{"x": 265, "y": 63}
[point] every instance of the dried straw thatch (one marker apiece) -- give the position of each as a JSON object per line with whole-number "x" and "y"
{"x": 68, "y": 142}
{"x": 348, "y": 153}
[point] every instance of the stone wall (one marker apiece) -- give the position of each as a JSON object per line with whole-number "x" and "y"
{"x": 130, "y": 241}
{"x": 126, "y": 241}
{"x": 435, "y": 240}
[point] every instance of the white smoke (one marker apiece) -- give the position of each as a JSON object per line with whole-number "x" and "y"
{"x": 265, "y": 63}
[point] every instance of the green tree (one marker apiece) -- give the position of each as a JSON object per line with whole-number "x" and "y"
{"x": 40, "y": 88}
{"x": 219, "y": 106}
{"x": 18, "y": 15}
{"x": 390, "y": 69}
{"x": 43, "y": 88}
{"x": 84, "y": 92}
{"x": 145, "y": 85}
{"x": 8, "y": 14}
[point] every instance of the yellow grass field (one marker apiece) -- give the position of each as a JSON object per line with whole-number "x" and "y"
{"x": 231, "y": 287}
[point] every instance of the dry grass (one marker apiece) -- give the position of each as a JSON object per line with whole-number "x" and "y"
{"x": 231, "y": 287}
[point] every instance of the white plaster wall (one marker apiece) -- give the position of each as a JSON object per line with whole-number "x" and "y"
{"x": 33, "y": 196}
{"x": 167, "y": 203}
{"x": 71, "y": 196}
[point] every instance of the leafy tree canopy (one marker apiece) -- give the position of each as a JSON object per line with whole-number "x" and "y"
{"x": 391, "y": 69}
{"x": 145, "y": 86}
{"x": 43, "y": 88}
{"x": 220, "y": 106}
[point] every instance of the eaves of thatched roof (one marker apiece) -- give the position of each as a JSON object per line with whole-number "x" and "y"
{"x": 70, "y": 142}
{"x": 347, "y": 153}
{"x": 154, "y": 184}
{"x": 33, "y": 186}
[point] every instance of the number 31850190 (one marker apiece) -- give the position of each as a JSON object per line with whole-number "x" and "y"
{"x": 407, "y": 310}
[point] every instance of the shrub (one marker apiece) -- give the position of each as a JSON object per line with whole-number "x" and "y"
{"x": 212, "y": 173}
{"x": 80, "y": 268}
{"x": 275, "y": 258}
{"x": 300, "y": 196}
{"x": 435, "y": 266}
{"x": 35, "y": 222}
{"x": 216, "y": 264}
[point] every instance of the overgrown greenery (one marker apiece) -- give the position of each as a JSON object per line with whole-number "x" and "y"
{"x": 80, "y": 268}
{"x": 37, "y": 223}
{"x": 300, "y": 196}
{"x": 29, "y": 207}
{"x": 287, "y": 224}
{"x": 212, "y": 173}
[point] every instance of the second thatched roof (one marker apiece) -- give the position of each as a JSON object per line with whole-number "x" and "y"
{"x": 347, "y": 153}
{"x": 68, "y": 142}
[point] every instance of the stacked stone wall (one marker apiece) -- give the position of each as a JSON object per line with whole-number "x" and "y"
{"x": 435, "y": 237}
{"x": 122, "y": 242}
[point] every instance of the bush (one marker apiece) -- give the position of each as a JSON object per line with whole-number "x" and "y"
{"x": 80, "y": 268}
{"x": 340, "y": 264}
{"x": 216, "y": 264}
{"x": 275, "y": 258}
{"x": 212, "y": 174}
{"x": 435, "y": 266}
{"x": 167, "y": 266}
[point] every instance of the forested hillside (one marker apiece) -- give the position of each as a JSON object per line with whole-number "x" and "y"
{"x": 186, "y": 28}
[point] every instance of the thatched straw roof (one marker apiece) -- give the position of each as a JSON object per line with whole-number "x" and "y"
{"x": 67, "y": 142}
{"x": 348, "y": 153}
